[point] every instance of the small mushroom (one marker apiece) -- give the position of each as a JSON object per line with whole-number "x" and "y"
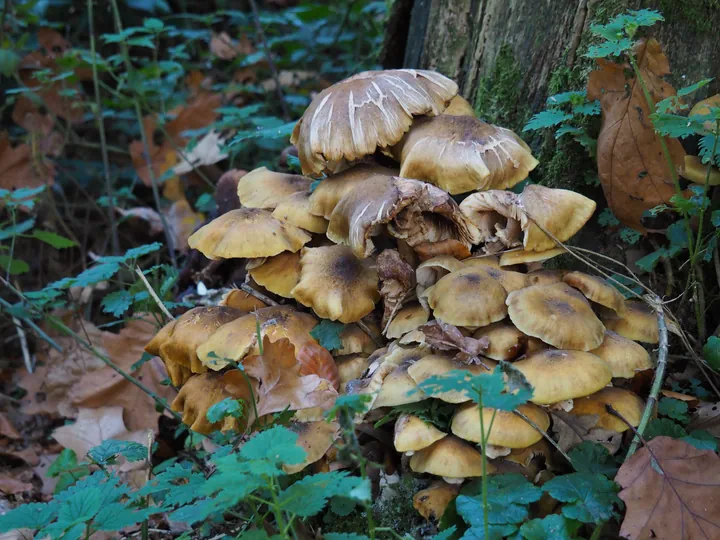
{"x": 406, "y": 320}
{"x": 624, "y": 356}
{"x": 398, "y": 388}
{"x": 432, "y": 502}
{"x": 315, "y": 438}
{"x": 521, "y": 256}
{"x": 696, "y": 171}
{"x": 241, "y": 300}
{"x": 412, "y": 434}
{"x": 505, "y": 341}
{"x": 508, "y": 429}
{"x": 451, "y": 458}
{"x": 597, "y": 290}
{"x": 545, "y": 276}
{"x": 638, "y": 323}
{"x": 629, "y": 405}
{"x": 354, "y": 340}
{"x": 278, "y": 274}
{"x": 295, "y": 209}
{"x": 350, "y": 367}
{"x": 263, "y": 188}
{"x": 459, "y": 106}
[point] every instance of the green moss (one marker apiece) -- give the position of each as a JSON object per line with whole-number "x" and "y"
{"x": 699, "y": 15}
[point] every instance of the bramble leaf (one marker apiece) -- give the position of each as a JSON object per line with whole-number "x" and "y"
{"x": 508, "y": 498}
{"x": 110, "y": 448}
{"x": 592, "y": 497}
{"x": 116, "y": 303}
{"x": 593, "y": 458}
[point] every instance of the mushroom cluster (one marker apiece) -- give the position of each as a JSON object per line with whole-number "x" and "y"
{"x": 373, "y": 237}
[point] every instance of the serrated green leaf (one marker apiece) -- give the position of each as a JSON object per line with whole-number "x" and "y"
{"x": 66, "y": 461}
{"x": 546, "y": 119}
{"x": 593, "y": 458}
{"x": 677, "y": 234}
{"x": 226, "y": 407}
{"x": 153, "y": 24}
{"x": 310, "y": 495}
{"x": 701, "y": 440}
{"x": 552, "y": 527}
{"x": 141, "y": 251}
{"x": 30, "y": 516}
{"x": 19, "y": 228}
{"x": 96, "y": 274}
{"x": 508, "y": 498}
{"x": 116, "y": 303}
{"x": 327, "y": 334}
{"x": 658, "y": 427}
{"x": 14, "y": 266}
{"x": 573, "y": 96}
{"x": 590, "y": 108}
{"x": 694, "y": 87}
{"x": 609, "y": 48}
{"x": 589, "y": 498}
{"x": 55, "y": 240}
{"x": 110, "y": 448}
{"x": 630, "y": 236}
{"x": 345, "y": 536}
{"x": 352, "y": 403}
{"x": 277, "y": 445}
{"x": 675, "y": 409}
{"x": 116, "y": 516}
{"x": 711, "y": 352}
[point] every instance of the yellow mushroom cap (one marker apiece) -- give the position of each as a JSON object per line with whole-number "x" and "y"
{"x": 238, "y": 338}
{"x": 247, "y": 233}
{"x": 295, "y": 209}
{"x": 560, "y": 212}
{"x": 432, "y": 502}
{"x": 278, "y": 274}
{"x": 703, "y": 107}
{"x": 437, "y": 365}
{"x": 450, "y": 457}
{"x": 355, "y": 341}
{"x": 406, "y": 320}
{"x": 263, "y": 188}
{"x": 468, "y": 297}
{"x": 370, "y": 110}
{"x": 511, "y": 281}
{"x": 558, "y": 315}
{"x": 561, "y": 375}
{"x": 545, "y": 276}
{"x": 315, "y": 438}
{"x": 482, "y": 260}
{"x": 462, "y": 153}
{"x": 629, "y": 405}
{"x": 430, "y": 271}
{"x": 336, "y": 284}
{"x": 351, "y": 367}
{"x": 329, "y": 191}
{"x": 241, "y": 300}
{"x": 508, "y": 429}
{"x": 398, "y": 388}
{"x": 638, "y": 323}
{"x": 177, "y": 341}
{"x": 505, "y": 341}
{"x": 696, "y": 171}
{"x": 412, "y": 433}
{"x": 624, "y": 356}
{"x": 521, "y": 256}
{"x": 459, "y": 106}
{"x": 597, "y": 290}
{"x": 497, "y": 216}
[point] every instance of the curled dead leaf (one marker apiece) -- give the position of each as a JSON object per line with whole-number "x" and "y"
{"x": 571, "y": 430}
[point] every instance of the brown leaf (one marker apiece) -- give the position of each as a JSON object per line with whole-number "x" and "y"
{"x": 21, "y": 168}
{"x": 7, "y": 429}
{"x": 182, "y": 221}
{"x": 150, "y": 216}
{"x": 707, "y": 417}
{"x": 315, "y": 359}
{"x": 397, "y": 280}
{"x": 223, "y": 46}
{"x": 570, "y": 430}
{"x": 446, "y": 337}
{"x": 631, "y": 165}
{"x": 9, "y": 485}
{"x": 41, "y": 469}
{"x": 672, "y": 491}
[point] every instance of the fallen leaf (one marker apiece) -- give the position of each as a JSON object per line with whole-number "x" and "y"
{"x": 146, "y": 214}
{"x": 315, "y": 359}
{"x": 21, "y": 168}
{"x": 631, "y": 165}
{"x": 707, "y": 418}
{"x": 225, "y": 48}
{"x": 41, "y": 471}
{"x": 182, "y": 221}
{"x": 672, "y": 491}
{"x": 206, "y": 152}
{"x": 7, "y": 429}
{"x": 446, "y": 337}
{"x": 397, "y": 280}
{"x": 11, "y": 486}
{"x": 570, "y": 430}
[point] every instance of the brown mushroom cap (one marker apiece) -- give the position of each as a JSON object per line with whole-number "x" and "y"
{"x": 412, "y": 433}
{"x": 263, "y": 188}
{"x": 511, "y": 281}
{"x": 355, "y": 341}
{"x": 638, "y": 323}
{"x": 521, "y": 256}
{"x": 429, "y": 272}
{"x": 468, "y": 297}
{"x": 459, "y": 106}
{"x": 241, "y": 300}
{"x": 558, "y": 315}
{"x": 278, "y": 274}
{"x": 328, "y": 193}
{"x": 398, "y": 388}
{"x": 315, "y": 438}
{"x": 505, "y": 341}
{"x": 629, "y": 405}
{"x": 336, "y": 284}
{"x": 462, "y": 153}
{"x": 624, "y": 356}
{"x": 696, "y": 171}
{"x": 560, "y": 212}
{"x": 350, "y": 367}
{"x": 437, "y": 365}
{"x": 247, "y": 233}
{"x": 450, "y": 457}
{"x": 508, "y": 429}
{"x": 497, "y": 216}
{"x": 482, "y": 260}
{"x": 561, "y": 375}
{"x": 545, "y": 276}
{"x": 295, "y": 209}
{"x": 704, "y": 107}
{"x": 432, "y": 502}
{"x": 406, "y": 320}
{"x": 177, "y": 341}
{"x": 238, "y": 338}
{"x": 597, "y": 290}
{"x": 370, "y": 110}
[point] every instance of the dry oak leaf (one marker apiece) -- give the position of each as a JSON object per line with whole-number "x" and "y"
{"x": 672, "y": 491}
{"x": 446, "y": 337}
{"x": 632, "y": 169}
{"x": 281, "y": 385}
{"x": 9, "y": 485}
{"x": 20, "y": 167}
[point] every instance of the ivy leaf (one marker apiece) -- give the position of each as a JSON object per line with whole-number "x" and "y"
{"x": 711, "y": 349}
{"x": 591, "y": 496}
{"x": 226, "y": 407}
{"x": 545, "y": 119}
{"x": 554, "y": 527}
{"x": 508, "y": 498}
{"x": 276, "y": 445}
{"x": 593, "y": 458}
{"x": 675, "y": 409}
{"x": 116, "y": 303}
{"x": 55, "y": 240}
{"x": 110, "y": 448}
{"x": 30, "y": 516}
{"x": 327, "y": 334}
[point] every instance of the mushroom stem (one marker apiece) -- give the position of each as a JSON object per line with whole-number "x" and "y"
{"x": 545, "y": 435}
{"x": 260, "y": 296}
{"x": 153, "y": 294}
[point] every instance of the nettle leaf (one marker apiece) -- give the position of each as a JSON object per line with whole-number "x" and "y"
{"x": 658, "y": 427}
{"x": 591, "y": 108}
{"x": 276, "y": 445}
{"x": 28, "y": 516}
{"x": 546, "y": 119}
{"x": 508, "y": 498}
{"x": 591, "y": 497}
{"x": 674, "y": 125}
{"x": 573, "y": 96}
{"x": 554, "y": 526}
{"x": 111, "y": 448}
{"x": 55, "y": 240}
{"x": 593, "y": 458}
{"x": 609, "y": 48}
{"x": 96, "y": 274}
{"x": 176, "y": 485}
{"x": 675, "y": 409}
{"x": 706, "y": 145}
{"x": 116, "y": 303}
{"x": 226, "y": 407}
{"x": 711, "y": 349}
{"x": 116, "y": 516}
{"x": 17, "y": 229}
{"x": 327, "y": 334}
{"x": 310, "y": 495}
{"x": 13, "y": 266}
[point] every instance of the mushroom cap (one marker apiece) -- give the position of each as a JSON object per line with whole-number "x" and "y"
{"x": 247, "y": 233}
{"x": 521, "y": 256}
{"x": 597, "y": 290}
{"x": 370, "y": 110}
{"x": 315, "y": 438}
{"x": 505, "y": 341}
{"x": 413, "y": 211}
{"x": 560, "y": 212}
{"x": 468, "y": 297}
{"x": 295, "y": 209}
{"x": 241, "y": 300}
{"x": 546, "y": 276}
{"x": 482, "y": 260}
{"x": 497, "y": 216}
{"x": 406, "y": 320}
{"x": 432, "y": 502}
{"x": 459, "y": 106}
{"x": 696, "y": 171}
{"x": 336, "y": 284}
{"x": 429, "y": 272}
{"x": 624, "y": 356}
{"x": 278, "y": 274}
{"x": 558, "y": 315}
{"x": 238, "y": 338}
{"x": 398, "y": 388}
{"x": 508, "y": 429}
{"x": 329, "y": 191}
{"x": 355, "y": 341}
{"x": 439, "y": 365}
{"x": 628, "y": 404}
{"x": 638, "y": 323}
{"x": 350, "y": 367}
{"x": 263, "y": 188}
{"x": 560, "y": 375}
{"x": 412, "y": 433}
{"x": 703, "y": 107}
{"x": 511, "y": 281}
{"x": 462, "y": 153}
{"x": 177, "y": 341}
{"x": 449, "y": 457}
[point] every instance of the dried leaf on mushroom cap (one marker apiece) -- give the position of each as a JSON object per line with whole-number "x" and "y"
{"x": 462, "y": 153}
{"x": 247, "y": 233}
{"x": 451, "y": 247}
{"x": 446, "y": 337}
{"x": 177, "y": 341}
{"x": 560, "y": 375}
{"x": 508, "y": 429}
{"x": 370, "y": 110}
{"x": 624, "y": 356}
{"x": 329, "y": 191}
{"x": 412, "y": 433}
{"x": 625, "y": 402}
{"x": 295, "y": 209}
{"x": 558, "y": 315}
{"x": 638, "y": 323}
{"x": 397, "y": 280}
{"x": 278, "y": 274}
{"x": 263, "y": 188}
{"x": 597, "y": 290}
{"x": 336, "y": 284}
{"x": 413, "y": 211}
{"x": 451, "y": 458}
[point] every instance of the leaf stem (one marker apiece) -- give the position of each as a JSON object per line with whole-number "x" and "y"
{"x": 484, "y": 479}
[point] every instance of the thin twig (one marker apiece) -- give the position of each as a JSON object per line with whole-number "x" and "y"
{"x": 28, "y": 321}
{"x": 260, "y": 296}
{"x": 154, "y": 295}
{"x": 547, "y": 437}
{"x": 271, "y": 62}
{"x": 23, "y": 345}
{"x": 657, "y": 381}
{"x": 372, "y": 335}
